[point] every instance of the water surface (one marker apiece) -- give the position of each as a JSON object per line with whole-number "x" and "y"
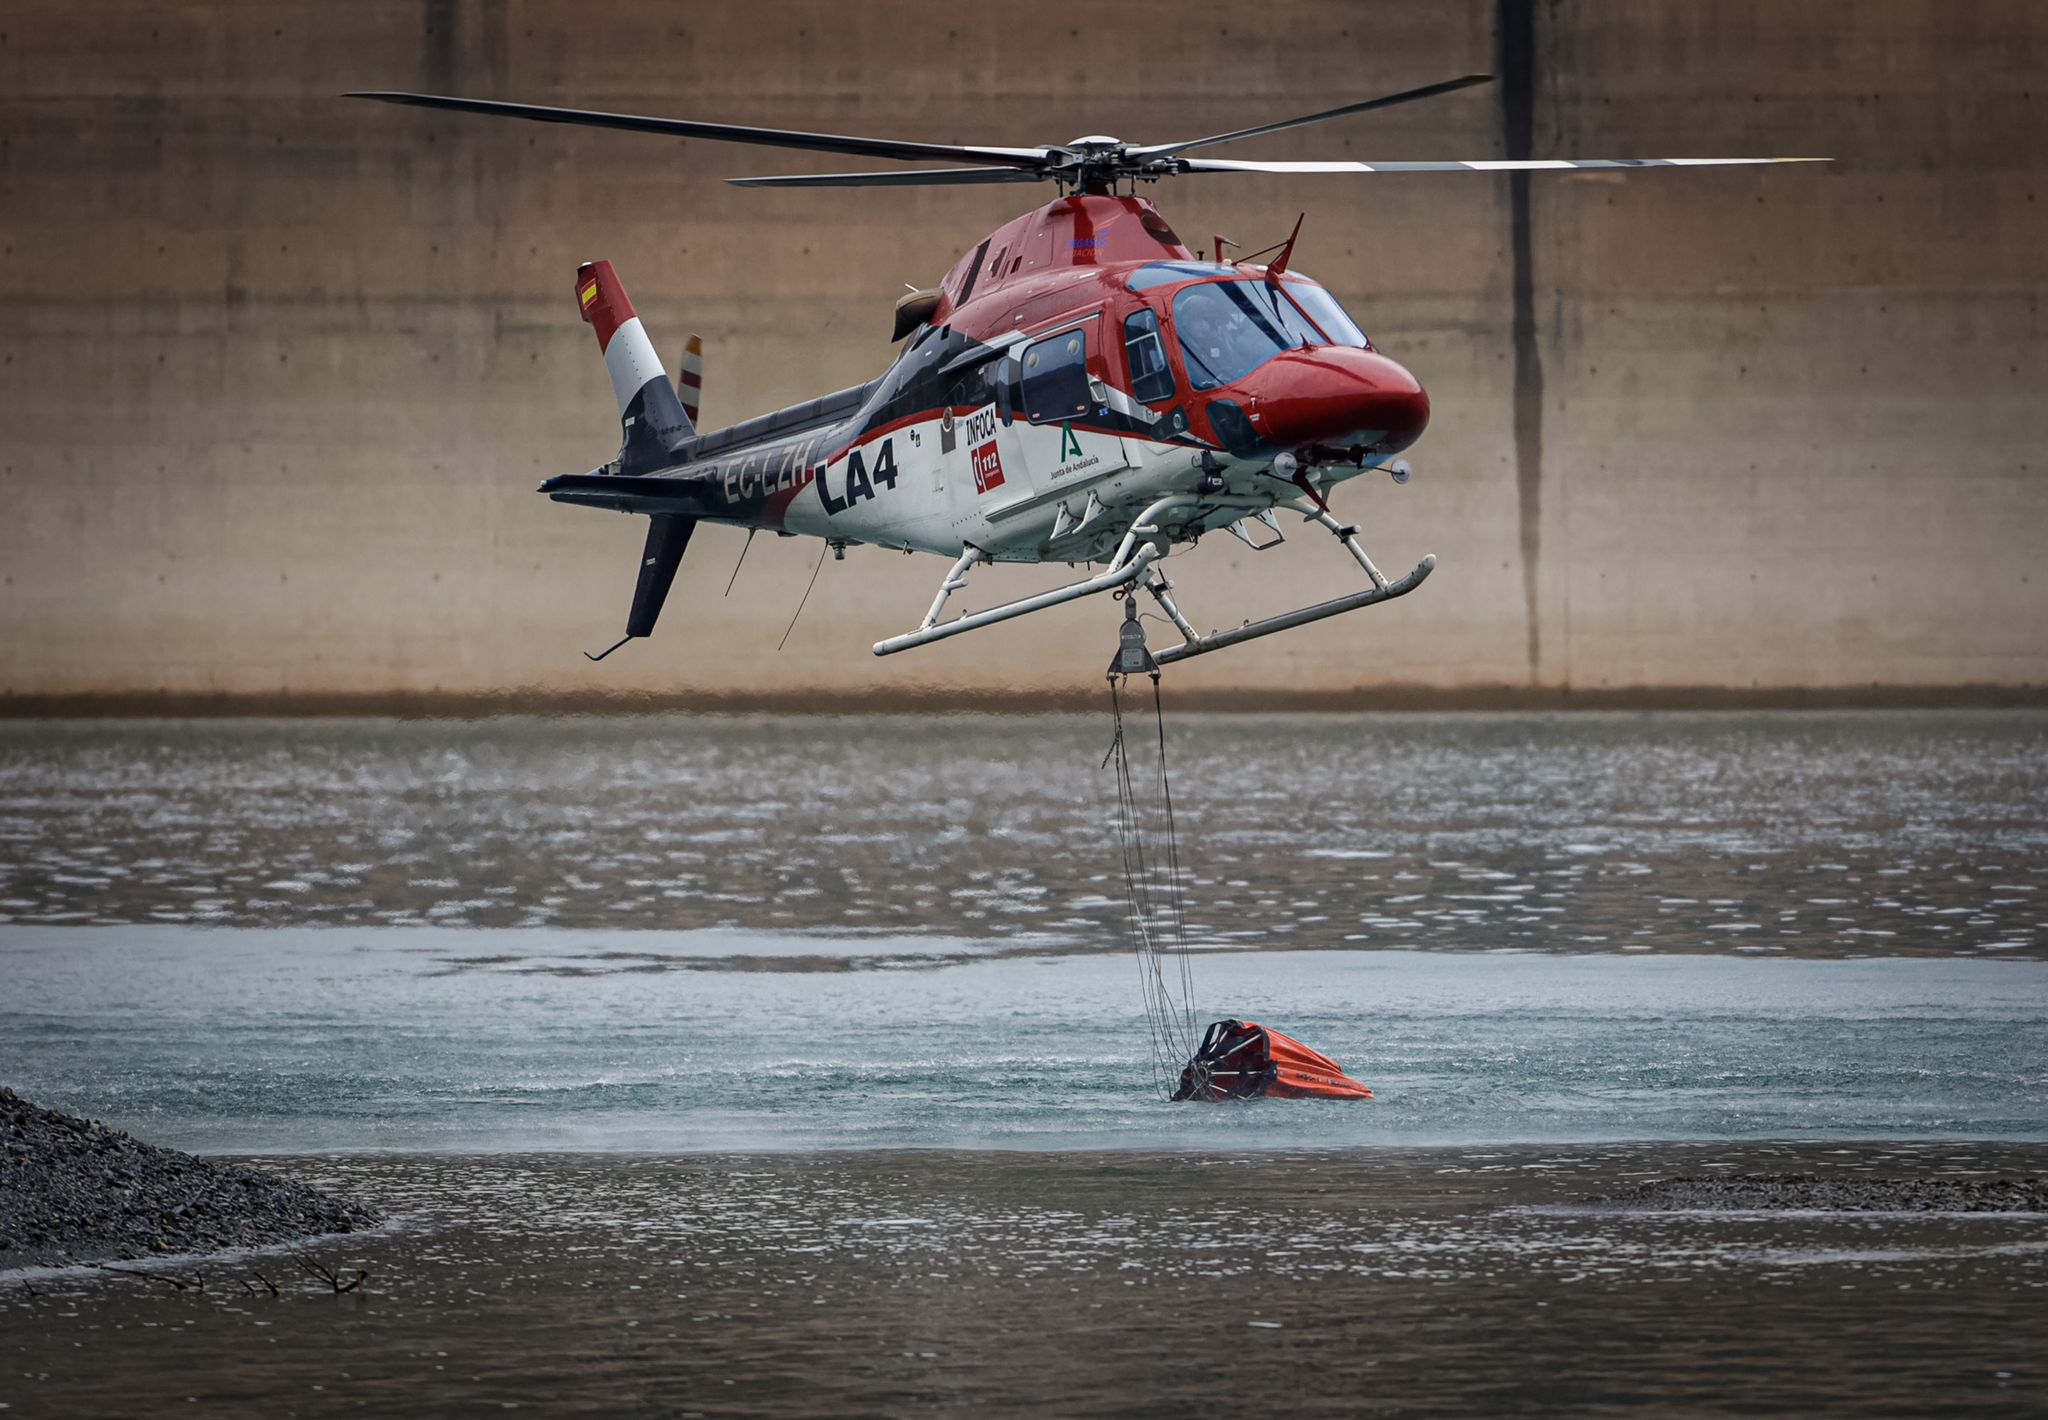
{"x": 848, "y": 1007}
{"x": 1808, "y": 834}
{"x": 1385, "y": 1281}
{"x": 512, "y": 1039}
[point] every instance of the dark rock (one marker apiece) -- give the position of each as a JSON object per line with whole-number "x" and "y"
{"x": 77, "y": 1191}
{"x": 1775, "y": 1192}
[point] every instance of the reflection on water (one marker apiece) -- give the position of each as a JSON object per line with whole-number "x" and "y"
{"x": 1096, "y": 1284}
{"x": 1816, "y": 834}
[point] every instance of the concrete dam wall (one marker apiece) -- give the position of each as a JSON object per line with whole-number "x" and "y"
{"x": 279, "y": 372}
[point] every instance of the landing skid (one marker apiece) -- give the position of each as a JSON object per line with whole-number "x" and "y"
{"x": 1142, "y": 545}
{"x": 1382, "y": 590}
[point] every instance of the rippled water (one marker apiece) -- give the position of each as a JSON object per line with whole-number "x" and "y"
{"x": 1811, "y": 834}
{"x": 1444, "y": 1281}
{"x": 711, "y": 932}
{"x": 850, "y": 1003}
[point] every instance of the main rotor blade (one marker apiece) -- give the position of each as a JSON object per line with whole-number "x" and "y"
{"x": 1427, "y": 91}
{"x": 1478, "y": 165}
{"x": 723, "y": 132}
{"x": 914, "y": 177}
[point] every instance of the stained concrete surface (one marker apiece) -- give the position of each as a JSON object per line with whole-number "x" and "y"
{"x": 278, "y": 372}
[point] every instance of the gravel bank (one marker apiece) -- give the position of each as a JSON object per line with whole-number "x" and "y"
{"x": 1772, "y": 1192}
{"x": 73, "y": 1190}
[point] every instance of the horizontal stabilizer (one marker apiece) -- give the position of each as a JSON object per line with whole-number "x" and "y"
{"x": 628, "y": 493}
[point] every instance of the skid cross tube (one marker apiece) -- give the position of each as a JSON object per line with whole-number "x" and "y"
{"x": 1138, "y": 551}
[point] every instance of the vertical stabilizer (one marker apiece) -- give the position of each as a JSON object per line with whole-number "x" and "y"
{"x": 651, "y": 415}
{"x": 667, "y": 536}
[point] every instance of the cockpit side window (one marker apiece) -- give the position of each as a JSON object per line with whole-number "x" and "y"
{"x": 1151, "y": 376}
{"x": 1055, "y": 383}
{"x": 1227, "y": 330}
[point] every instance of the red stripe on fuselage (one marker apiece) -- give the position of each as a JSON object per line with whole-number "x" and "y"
{"x": 605, "y": 307}
{"x": 775, "y": 510}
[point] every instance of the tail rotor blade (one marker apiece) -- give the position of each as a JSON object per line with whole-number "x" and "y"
{"x": 690, "y": 378}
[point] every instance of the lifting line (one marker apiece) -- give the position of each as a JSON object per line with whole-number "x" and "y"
{"x": 1157, "y": 913}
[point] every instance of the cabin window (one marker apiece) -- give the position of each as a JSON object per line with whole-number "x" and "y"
{"x": 1151, "y": 376}
{"x": 974, "y": 388}
{"x": 1055, "y": 379}
{"x": 1008, "y": 379}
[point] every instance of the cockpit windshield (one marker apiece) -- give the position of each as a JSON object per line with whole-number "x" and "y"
{"x": 1323, "y": 309}
{"x": 1228, "y": 329}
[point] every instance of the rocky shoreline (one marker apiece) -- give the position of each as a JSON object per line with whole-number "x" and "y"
{"x": 1782, "y": 1192}
{"x": 75, "y": 1191}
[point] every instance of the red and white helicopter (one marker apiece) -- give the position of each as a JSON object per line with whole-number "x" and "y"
{"x": 1080, "y": 388}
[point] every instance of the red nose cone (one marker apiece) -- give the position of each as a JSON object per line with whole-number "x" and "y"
{"x": 1336, "y": 395}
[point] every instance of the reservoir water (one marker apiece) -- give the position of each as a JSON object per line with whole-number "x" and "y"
{"x": 268, "y": 1039}
{"x": 721, "y": 1066}
{"x": 717, "y": 933}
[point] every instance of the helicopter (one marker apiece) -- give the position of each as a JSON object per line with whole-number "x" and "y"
{"x": 1081, "y": 387}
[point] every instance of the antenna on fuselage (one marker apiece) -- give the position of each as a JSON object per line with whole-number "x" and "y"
{"x": 1278, "y": 266}
{"x": 742, "y": 559}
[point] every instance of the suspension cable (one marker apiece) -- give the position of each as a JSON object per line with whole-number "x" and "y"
{"x": 1175, "y": 886}
{"x": 1156, "y": 912}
